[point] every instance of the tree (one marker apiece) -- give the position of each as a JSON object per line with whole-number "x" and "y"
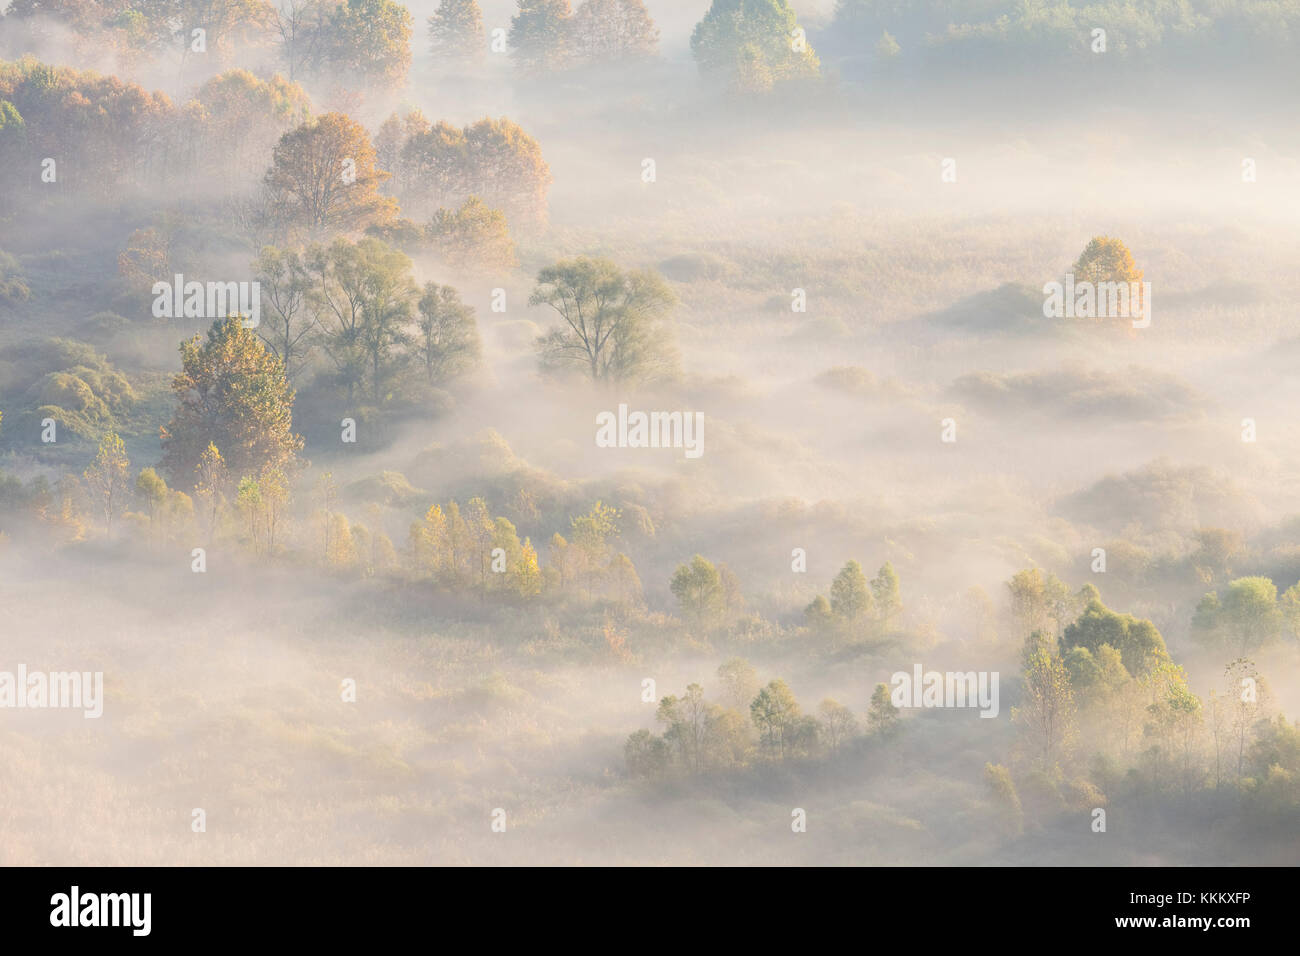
{"x": 456, "y": 32}
{"x": 1105, "y": 259}
{"x": 211, "y": 480}
{"x": 1039, "y": 601}
{"x": 1250, "y": 614}
{"x": 441, "y": 166}
{"x": 613, "y": 31}
{"x": 1138, "y": 641}
{"x": 300, "y": 25}
{"x": 369, "y": 40}
{"x": 698, "y": 589}
{"x": 739, "y": 682}
{"x": 323, "y": 178}
{"x": 154, "y": 491}
{"x": 237, "y": 118}
{"x": 612, "y": 327}
{"x": 882, "y": 715}
{"x": 109, "y": 478}
{"x": 773, "y": 711}
{"x": 646, "y": 754}
{"x": 884, "y": 590}
{"x": 287, "y": 330}
{"x": 365, "y": 296}
{"x": 839, "y": 723}
{"x": 473, "y": 236}
{"x": 752, "y": 44}
{"x": 448, "y": 344}
{"x": 850, "y": 595}
{"x": 818, "y": 615}
{"x": 539, "y": 35}
{"x": 233, "y": 395}
{"x": 1047, "y": 707}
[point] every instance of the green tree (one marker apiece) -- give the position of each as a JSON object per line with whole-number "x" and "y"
{"x": 613, "y": 323}
{"x": 851, "y": 599}
{"x": 150, "y": 487}
{"x": 109, "y": 478}
{"x": 232, "y": 394}
{"x": 540, "y": 35}
{"x": 456, "y": 32}
{"x": 753, "y": 44}
{"x": 1047, "y": 710}
{"x": 288, "y": 328}
{"x": 369, "y": 40}
{"x": 646, "y": 754}
{"x": 448, "y": 343}
{"x": 698, "y": 589}
{"x": 774, "y": 711}
{"x": 882, "y": 715}
{"x": 884, "y": 590}
{"x": 365, "y": 296}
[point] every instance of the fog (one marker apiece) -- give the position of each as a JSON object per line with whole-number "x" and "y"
{"x": 919, "y": 410}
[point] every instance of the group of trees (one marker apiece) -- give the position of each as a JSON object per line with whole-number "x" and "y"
{"x": 1104, "y": 688}
{"x": 856, "y": 605}
{"x": 549, "y": 35}
{"x": 959, "y": 31}
{"x": 753, "y": 45}
{"x": 359, "y": 306}
{"x": 748, "y": 721}
{"x": 439, "y": 166}
{"x": 365, "y": 43}
{"x": 1249, "y": 616}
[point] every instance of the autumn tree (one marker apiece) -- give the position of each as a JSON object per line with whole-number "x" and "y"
{"x": 109, "y": 478}
{"x": 448, "y": 341}
{"x": 323, "y": 178}
{"x": 232, "y": 394}
{"x": 613, "y": 323}
{"x": 752, "y": 44}
{"x": 237, "y": 118}
{"x": 1106, "y": 259}
{"x": 441, "y": 166}
{"x": 456, "y": 32}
